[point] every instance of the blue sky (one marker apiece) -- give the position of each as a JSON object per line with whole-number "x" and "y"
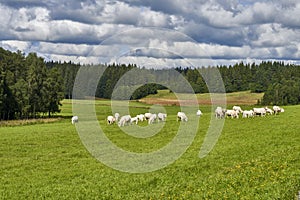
{"x": 164, "y": 33}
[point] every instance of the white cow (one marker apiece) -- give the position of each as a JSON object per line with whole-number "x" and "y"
{"x": 110, "y": 119}
{"x": 134, "y": 119}
{"x": 277, "y": 109}
{"x": 248, "y": 113}
{"x": 269, "y": 111}
{"x": 141, "y": 117}
{"x": 220, "y": 112}
{"x": 232, "y": 114}
{"x": 162, "y": 116}
{"x": 238, "y": 109}
{"x": 74, "y": 119}
{"x": 199, "y": 113}
{"x": 125, "y": 120}
{"x": 259, "y": 111}
{"x": 182, "y": 117}
{"x": 147, "y": 115}
{"x": 152, "y": 119}
{"x": 117, "y": 116}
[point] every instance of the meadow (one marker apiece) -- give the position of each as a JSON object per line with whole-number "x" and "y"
{"x": 234, "y": 98}
{"x": 257, "y": 158}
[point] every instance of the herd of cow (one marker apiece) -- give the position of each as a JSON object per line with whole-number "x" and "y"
{"x": 128, "y": 120}
{"x": 181, "y": 116}
{"x": 236, "y": 111}
{"x": 150, "y": 117}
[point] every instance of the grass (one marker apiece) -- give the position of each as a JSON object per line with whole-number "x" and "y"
{"x": 256, "y": 158}
{"x": 236, "y": 98}
{"x": 28, "y": 121}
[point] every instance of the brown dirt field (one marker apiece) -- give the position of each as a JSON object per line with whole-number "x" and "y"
{"x": 168, "y": 102}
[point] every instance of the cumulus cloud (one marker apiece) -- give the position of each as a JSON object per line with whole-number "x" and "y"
{"x": 15, "y": 45}
{"x": 105, "y": 30}
{"x": 274, "y": 35}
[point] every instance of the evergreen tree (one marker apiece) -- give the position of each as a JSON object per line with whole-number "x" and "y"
{"x": 54, "y": 91}
{"x": 36, "y": 79}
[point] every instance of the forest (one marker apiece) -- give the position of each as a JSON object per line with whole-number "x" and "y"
{"x": 28, "y": 89}
{"x": 31, "y": 87}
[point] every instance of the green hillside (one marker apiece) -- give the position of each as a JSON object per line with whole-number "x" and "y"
{"x": 165, "y": 97}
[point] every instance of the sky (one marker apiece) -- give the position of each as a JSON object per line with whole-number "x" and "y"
{"x": 153, "y": 33}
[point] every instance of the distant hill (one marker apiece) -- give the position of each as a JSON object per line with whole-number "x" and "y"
{"x": 165, "y": 97}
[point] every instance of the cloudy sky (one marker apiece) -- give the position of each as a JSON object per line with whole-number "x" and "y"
{"x": 153, "y": 33}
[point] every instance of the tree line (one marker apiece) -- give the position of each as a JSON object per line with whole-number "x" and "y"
{"x": 279, "y": 82}
{"x": 32, "y": 87}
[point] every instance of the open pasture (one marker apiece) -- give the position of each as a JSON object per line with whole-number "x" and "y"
{"x": 166, "y": 97}
{"x": 256, "y": 158}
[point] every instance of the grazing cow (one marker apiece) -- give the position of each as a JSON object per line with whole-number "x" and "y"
{"x": 134, "y": 119}
{"x": 198, "y": 113}
{"x": 277, "y": 109}
{"x": 269, "y": 111}
{"x": 110, "y": 119}
{"x": 220, "y": 112}
{"x": 248, "y": 113}
{"x": 74, "y": 119}
{"x": 152, "y": 119}
{"x": 161, "y": 116}
{"x": 232, "y": 114}
{"x": 125, "y": 120}
{"x": 182, "y": 117}
{"x": 141, "y": 117}
{"x": 117, "y": 116}
{"x": 147, "y": 115}
{"x": 238, "y": 109}
{"x": 259, "y": 111}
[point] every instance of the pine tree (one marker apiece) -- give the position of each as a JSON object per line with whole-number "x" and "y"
{"x": 36, "y": 84}
{"x": 54, "y": 91}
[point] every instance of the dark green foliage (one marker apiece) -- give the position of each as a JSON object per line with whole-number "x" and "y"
{"x": 54, "y": 92}
{"x": 36, "y": 80}
{"x": 110, "y": 78}
{"x": 68, "y": 71}
{"x": 27, "y": 88}
{"x": 279, "y": 81}
{"x": 283, "y": 93}
{"x": 145, "y": 90}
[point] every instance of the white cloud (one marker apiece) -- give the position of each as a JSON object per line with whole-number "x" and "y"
{"x": 151, "y": 18}
{"x": 264, "y": 12}
{"x": 14, "y": 45}
{"x": 290, "y": 16}
{"x": 5, "y": 31}
{"x": 217, "y": 16}
{"x": 223, "y": 30}
{"x": 274, "y": 35}
{"x": 120, "y": 13}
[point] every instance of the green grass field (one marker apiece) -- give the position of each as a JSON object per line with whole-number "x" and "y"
{"x": 257, "y": 158}
{"x": 234, "y": 98}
